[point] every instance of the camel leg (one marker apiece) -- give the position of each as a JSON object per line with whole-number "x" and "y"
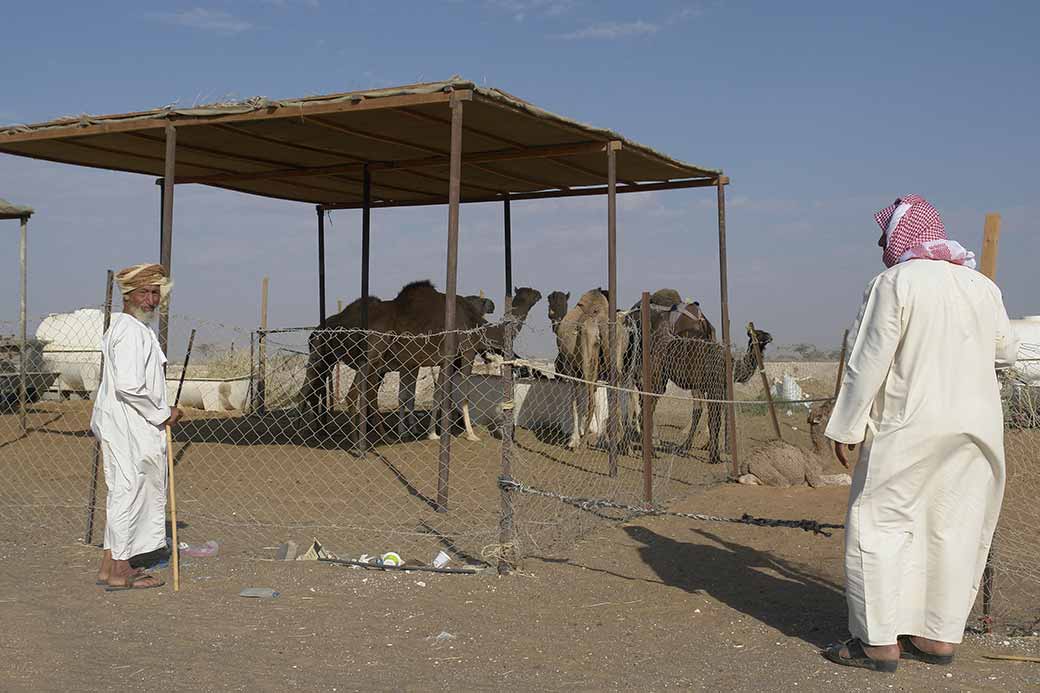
{"x": 407, "y": 380}
{"x": 470, "y": 434}
{"x": 695, "y": 420}
{"x": 576, "y": 428}
{"x": 714, "y": 424}
{"x": 435, "y": 412}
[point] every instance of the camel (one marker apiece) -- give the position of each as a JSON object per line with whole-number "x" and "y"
{"x": 699, "y": 365}
{"x": 417, "y": 313}
{"x": 490, "y": 341}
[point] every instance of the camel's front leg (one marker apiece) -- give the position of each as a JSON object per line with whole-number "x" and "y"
{"x": 695, "y": 421}
{"x": 408, "y": 377}
{"x": 576, "y": 428}
{"x": 714, "y": 424}
{"x": 464, "y": 375}
{"x": 470, "y": 434}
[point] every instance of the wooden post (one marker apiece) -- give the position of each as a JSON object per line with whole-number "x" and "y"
{"x": 261, "y": 385}
{"x": 648, "y": 404}
{"x": 166, "y": 234}
{"x": 506, "y": 530}
{"x": 990, "y": 246}
{"x": 988, "y": 266}
{"x": 88, "y": 535}
{"x": 23, "y": 316}
{"x": 765, "y": 381}
{"x": 447, "y": 398}
{"x": 613, "y": 415}
{"x": 731, "y": 418}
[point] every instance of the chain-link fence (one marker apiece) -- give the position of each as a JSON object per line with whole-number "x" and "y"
{"x": 339, "y": 435}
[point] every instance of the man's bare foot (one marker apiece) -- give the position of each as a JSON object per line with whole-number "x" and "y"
{"x": 105, "y": 571}
{"x": 878, "y": 652}
{"x": 935, "y": 647}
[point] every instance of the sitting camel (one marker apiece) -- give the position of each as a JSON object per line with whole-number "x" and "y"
{"x": 699, "y": 365}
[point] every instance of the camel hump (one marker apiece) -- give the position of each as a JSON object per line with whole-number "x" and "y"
{"x": 422, "y": 285}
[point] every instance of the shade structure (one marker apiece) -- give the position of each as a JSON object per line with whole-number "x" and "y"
{"x": 9, "y": 210}
{"x": 314, "y": 149}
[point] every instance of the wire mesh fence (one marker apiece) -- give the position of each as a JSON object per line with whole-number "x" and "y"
{"x": 375, "y": 442}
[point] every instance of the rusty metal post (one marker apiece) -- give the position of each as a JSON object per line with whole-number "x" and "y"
{"x": 23, "y": 316}
{"x": 506, "y": 530}
{"x": 447, "y": 398}
{"x": 647, "y": 403}
{"x": 362, "y": 373}
{"x": 166, "y": 232}
{"x": 612, "y": 394}
{"x": 88, "y": 535}
{"x": 507, "y": 226}
{"x": 323, "y": 397}
{"x": 765, "y": 381}
{"x": 731, "y": 417}
{"x": 261, "y": 385}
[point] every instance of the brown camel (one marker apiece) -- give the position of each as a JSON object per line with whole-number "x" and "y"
{"x": 417, "y": 313}
{"x": 699, "y": 365}
{"x": 486, "y": 342}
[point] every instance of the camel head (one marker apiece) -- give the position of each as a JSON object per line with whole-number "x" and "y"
{"x": 594, "y": 303}
{"x": 524, "y": 300}
{"x": 761, "y": 336}
{"x": 557, "y": 305}
{"x": 480, "y": 304}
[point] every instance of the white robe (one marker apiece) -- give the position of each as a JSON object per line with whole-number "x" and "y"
{"x": 921, "y": 390}
{"x": 129, "y": 412}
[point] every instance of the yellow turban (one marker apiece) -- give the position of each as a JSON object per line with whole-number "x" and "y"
{"x": 143, "y": 275}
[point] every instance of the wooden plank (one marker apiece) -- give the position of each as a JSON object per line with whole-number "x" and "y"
{"x": 122, "y": 123}
{"x": 990, "y": 246}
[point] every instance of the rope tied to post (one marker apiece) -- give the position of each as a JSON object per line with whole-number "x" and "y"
{"x": 507, "y": 483}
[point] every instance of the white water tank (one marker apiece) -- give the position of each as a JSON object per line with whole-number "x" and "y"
{"x": 1027, "y": 331}
{"x": 73, "y": 348}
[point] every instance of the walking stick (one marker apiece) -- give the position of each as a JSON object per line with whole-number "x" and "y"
{"x": 169, "y": 467}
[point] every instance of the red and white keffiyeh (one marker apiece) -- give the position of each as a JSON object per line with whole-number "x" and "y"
{"x": 914, "y": 231}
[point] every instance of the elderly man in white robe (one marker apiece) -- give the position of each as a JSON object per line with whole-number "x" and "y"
{"x": 129, "y": 419}
{"x": 921, "y": 392}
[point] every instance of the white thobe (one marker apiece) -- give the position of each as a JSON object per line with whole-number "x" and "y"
{"x": 129, "y": 412}
{"x": 921, "y": 390}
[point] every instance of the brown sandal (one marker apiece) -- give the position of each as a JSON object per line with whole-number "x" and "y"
{"x": 858, "y": 657}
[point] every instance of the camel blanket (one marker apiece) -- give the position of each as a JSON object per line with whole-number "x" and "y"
{"x": 129, "y": 412}
{"x": 921, "y": 391}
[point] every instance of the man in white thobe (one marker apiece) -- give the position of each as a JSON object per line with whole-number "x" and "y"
{"x": 920, "y": 391}
{"x": 129, "y": 419}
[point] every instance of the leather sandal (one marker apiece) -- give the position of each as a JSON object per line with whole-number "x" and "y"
{"x": 858, "y": 657}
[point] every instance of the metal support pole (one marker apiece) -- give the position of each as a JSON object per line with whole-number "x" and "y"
{"x": 23, "y": 308}
{"x": 647, "y": 404}
{"x": 731, "y": 414}
{"x": 362, "y": 374}
{"x": 613, "y": 415}
{"x": 166, "y": 231}
{"x": 261, "y": 385}
{"x": 321, "y": 266}
{"x": 447, "y": 398}
{"x": 506, "y": 531}
{"x": 507, "y": 227}
{"x": 88, "y": 535}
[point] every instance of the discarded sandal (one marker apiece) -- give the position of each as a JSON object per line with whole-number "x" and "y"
{"x": 908, "y": 650}
{"x": 132, "y": 583}
{"x": 858, "y": 657}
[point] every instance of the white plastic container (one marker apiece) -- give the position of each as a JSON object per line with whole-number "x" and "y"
{"x": 1027, "y": 331}
{"x": 73, "y": 348}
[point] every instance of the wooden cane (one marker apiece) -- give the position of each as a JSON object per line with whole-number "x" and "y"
{"x": 169, "y": 468}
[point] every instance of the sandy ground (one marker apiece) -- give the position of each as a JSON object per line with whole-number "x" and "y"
{"x": 655, "y": 604}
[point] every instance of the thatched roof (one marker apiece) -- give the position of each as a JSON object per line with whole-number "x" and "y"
{"x": 313, "y": 149}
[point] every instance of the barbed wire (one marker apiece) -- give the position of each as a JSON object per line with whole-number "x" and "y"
{"x": 814, "y": 526}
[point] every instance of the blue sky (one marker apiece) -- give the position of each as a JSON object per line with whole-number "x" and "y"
{"x": 820, "y": 112}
